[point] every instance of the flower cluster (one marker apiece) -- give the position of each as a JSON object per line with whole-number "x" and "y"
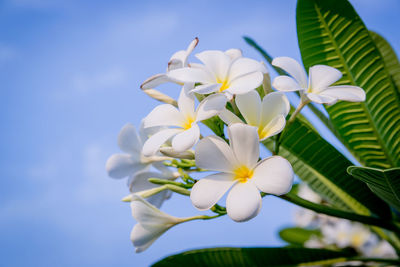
{"x": 171, "y": 144}
{"x": 338, "y": 233}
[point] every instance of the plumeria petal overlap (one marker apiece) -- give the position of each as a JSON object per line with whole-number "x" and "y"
{"x": 238, "y": 170}
{"x": 186, "y": 132}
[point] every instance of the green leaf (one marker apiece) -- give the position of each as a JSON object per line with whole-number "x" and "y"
{"x": 384, "y": 183}
{"x": 323, "y": 168}
{"x": 389, "y": 57}
{"x": 331, "y": 33}
{"x": 211, "y": 257}
{"x": 297, "y": 235}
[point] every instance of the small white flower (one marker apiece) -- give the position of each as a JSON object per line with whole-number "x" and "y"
{"x": 238, "y": 168}
{"x": 152, "y": 223}
{"x": 226, "y": 72}
{"x": 381, "y": 249}
{"x": 345, "y": 233}
{"x": 318, "y": 88}
{"x": 127, "y": 164}
{"x": 178, "y": 60}
{"x": 185, "y": 119}
{"x": 268, "y": 116}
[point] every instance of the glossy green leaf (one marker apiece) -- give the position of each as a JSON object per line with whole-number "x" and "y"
{"x": 331, "y": 33}
{"x": 323, "y": 168}
{"x": 384, "y": 183}
{"x": 252, "y": 257}
{"x": 390, "y": 58}
{"x": 297, "y": 235}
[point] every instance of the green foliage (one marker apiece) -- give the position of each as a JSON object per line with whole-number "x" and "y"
{"x": 323, "y": 168}
{"x": 389, "y": 57}
{"x": 297, "y": 235}
{"x": 384, "y": 183}
{"x": 331, "y": 33}
{"x": 252, "y": 257}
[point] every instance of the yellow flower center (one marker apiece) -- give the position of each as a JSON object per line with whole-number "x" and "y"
{"x": 262, "y": 133}
{"x": 224, "y": 85}
{"x": 357, "y": 240}
{"x": 243, "y": 173}
{"x": 188, "y": 123}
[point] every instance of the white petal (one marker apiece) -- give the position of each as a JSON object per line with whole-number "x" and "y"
{"x": 286, "y": 84}
{"x": 142, "y": 238}
{"x": 164, "y": 115}
{"x": 122, "y": 165}
{"x": 244, "y": 143}
{"x": 191, "y": 75}
{"x": 274, "y": 105}
{"x": 186, "y": 139}
{"x": 186, "y": 101}
{"x": 208, "y": 88}
{"x": 192, "y": 45}
{"x": 152, "y": 145}
{"x": 293, "y": 68}
{"x": 243, "y": 202}
{"x": 139, "y": 182}
{"x": 210, "y": 106}
{"x": 273, "y": 127}
{"x": 177, "y": 60}
{"x": 155, "y": 81}
{"x": 213, "y": 153}
{"x": 229, "y": 117}
{"x": 233, "y": 53}
{"x": 321, "y": 76}
{"x": 275, "y": 102}
{"x": 148, "y": 215}
{"x": 249, "y": 105}
{"x": 245, "y": 83}
{"x": 216, "y": 61}
{"x": 243, "y": 66}
{"x": 344, "y": 92}
{"x": 321, "y": 99}
{"x": 273, "y": 175}
{"x": 206, "y": 192}
{"x": 128, "y": 140}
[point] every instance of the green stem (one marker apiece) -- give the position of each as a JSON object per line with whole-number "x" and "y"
{"x": 165, "y": 181}
{"x": 303, "y": 102}
{"x": 389, "y": 225}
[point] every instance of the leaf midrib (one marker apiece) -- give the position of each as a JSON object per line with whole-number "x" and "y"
{"x": 390, "y": 186}
{"x": 363, "y": 106}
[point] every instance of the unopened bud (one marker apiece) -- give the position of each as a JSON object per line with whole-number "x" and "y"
{"x": 170, "y": 152}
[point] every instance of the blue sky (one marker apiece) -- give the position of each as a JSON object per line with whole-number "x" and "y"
{"x": 70, "y": 73}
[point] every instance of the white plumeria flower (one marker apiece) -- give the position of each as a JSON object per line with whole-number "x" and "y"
{"x": 382, "y": 249}
{"x": 139, "y": 183}
{"x": 345, "y": 233}
{"x": 318, "y": 88}
{"x": 126, "y": 164}
{"x": 238, "y": 168}
{"x": 185, "y": 119}
{"x": 152, "y": 223}
{"x": 226, "y": 72}
{"x": 268, "y": 116}
{"x": 178, "y": 60}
